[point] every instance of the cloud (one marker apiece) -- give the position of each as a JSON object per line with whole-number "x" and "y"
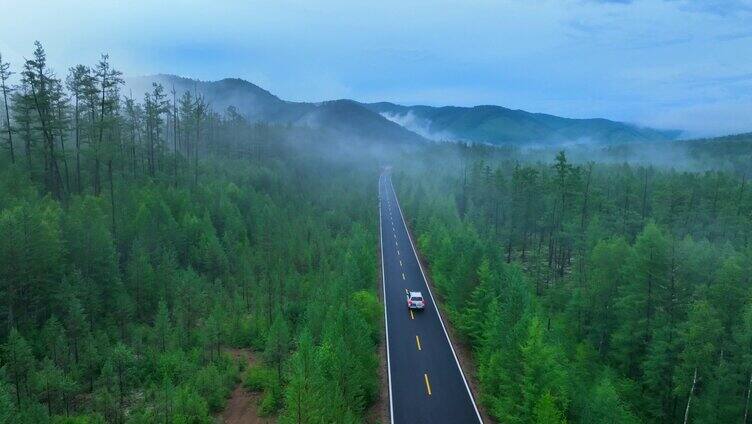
{"x": 626, "y": 60}
{"x": 719, "y": 7}
{"x": 418, "y": 125}
{"x": 727, "y": 117}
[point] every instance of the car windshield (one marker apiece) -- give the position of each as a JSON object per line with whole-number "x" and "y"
{"x": 416, "y": 299}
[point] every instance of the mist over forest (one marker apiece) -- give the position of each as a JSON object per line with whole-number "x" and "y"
{"x": 170, "y": 246}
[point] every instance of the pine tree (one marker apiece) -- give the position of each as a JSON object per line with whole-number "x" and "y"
{"x": 475, "y": 314}
{"x": 301, "y": 405}
{"x": 22, "y": 108}
{"x": 743, "y": 337}
{"x": 637, "y": 304}
{"x": 7, "y": 407}
{"x": 106, "y": 396}
{"x": 52, "y": 385}
{"x": 54, "y": 339}
{"x": 78, "y": 82}
{"x": 5, "y": 73}
{"x": 122, "y": 360}
{"x": 19, "y": 364}
{"x": 700, "y": 339}
{"x": 60, "y": 125}
{"x": 162, "y": 326}
{"x": 133, "y": 121}
{"x": 547, "y": 412}
{"x": 605, "y": 407}
{"x": 76, "y": 324}
{"x": 200, "y": 111}
{"x": 41, "y": 82}
{"x": 187, "y": 121}
{"x": 543, "y": 378}
{"x": 30, "y": 260}
{"x": 108, "y": 81}
{"x": 277, "y": 344}
{"x": 155, "y": 105}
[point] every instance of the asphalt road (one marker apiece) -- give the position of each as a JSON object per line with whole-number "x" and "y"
{"x": 426, "y": 383}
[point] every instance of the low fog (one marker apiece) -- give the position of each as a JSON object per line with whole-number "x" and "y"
{"x": 349, "y": 131}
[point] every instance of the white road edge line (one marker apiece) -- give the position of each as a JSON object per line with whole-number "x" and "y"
{"x": 425, "y": 280}
{"x": 386, "y": 319}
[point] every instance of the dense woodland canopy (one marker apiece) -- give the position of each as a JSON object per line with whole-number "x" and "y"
{"x": 142, "y": 238}
{"x": 592, "y": 292}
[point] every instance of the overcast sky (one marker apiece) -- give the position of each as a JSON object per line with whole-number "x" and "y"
{"x": 664, "y": 63}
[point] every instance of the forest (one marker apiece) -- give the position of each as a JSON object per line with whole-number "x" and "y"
{"x": 142, "y": 238}
{"x": 592, "y": 292}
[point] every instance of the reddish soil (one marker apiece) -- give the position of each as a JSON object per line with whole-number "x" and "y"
{"x": 242, "y": 407}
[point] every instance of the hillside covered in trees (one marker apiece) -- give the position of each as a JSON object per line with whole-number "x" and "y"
{"x": 140, "y": 238}
{"x": 498, "y": 125}
{"x": 592, "y": 292}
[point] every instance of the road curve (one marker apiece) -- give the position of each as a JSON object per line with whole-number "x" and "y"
{"x": 426, "y": 383}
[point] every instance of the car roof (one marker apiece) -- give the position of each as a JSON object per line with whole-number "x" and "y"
{"x": 416, "y": 294}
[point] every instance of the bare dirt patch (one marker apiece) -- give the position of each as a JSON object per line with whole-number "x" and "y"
{"x": 242, "y": 407}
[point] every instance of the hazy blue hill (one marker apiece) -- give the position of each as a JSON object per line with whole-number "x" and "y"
{"x": 341, "y": 117}
{"x": 347, "y": 116}
{"x": 251, "y": 100}
{"x": 499, "y": 125}
{"x": 392, "y": 122}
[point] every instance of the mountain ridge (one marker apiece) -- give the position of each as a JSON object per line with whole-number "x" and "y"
{"x": 494, "y": 124}
{"x": 489, "y": 124}
{"x": 343, "y": 118}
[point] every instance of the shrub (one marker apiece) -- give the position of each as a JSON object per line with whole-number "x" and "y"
{"x": 260, "y": 377}
{"x": 270, "y": 402}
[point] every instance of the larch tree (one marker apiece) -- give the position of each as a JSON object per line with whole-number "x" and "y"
{"x": 78, "y": 80}
{"x": 41, "y": 82}
{"x": 22, "y": 109}
{"x": 700, "y": 339}
{"x": 19, "y": 364}
{"x": 5, "y": 74}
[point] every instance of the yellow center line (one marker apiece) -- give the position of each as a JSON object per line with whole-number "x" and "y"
{"x": 398, "y": 253}
{"x": 411, "y": 314}
{"x": 403, "y": 275}
{"x": 400, "y": 262}
{"x": 428, "y": 385}
{"x": 417, "y": 341}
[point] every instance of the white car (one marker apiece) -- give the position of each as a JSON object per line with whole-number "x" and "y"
{"x": 415, "y": 299}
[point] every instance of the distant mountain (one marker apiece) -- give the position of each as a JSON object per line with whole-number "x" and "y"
{"x": 343, "y": 118}
{"x": 395, "y": 123}
{"x": 499, "y": 125}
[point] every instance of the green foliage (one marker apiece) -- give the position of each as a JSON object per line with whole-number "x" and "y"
{"x": 136, "y": 253}
{"x": 547, "y": 412}
{"x": 270, "y": 401}
{"x": 137, "y": 249}
{"x": 7, "y": 407}
{"x": 590, "y": 292}
{"x": 190, "y": 408}
{"x": 259, "y": 377}
{"x": 605, "y": 406}
{"x": 367, "y": 305}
